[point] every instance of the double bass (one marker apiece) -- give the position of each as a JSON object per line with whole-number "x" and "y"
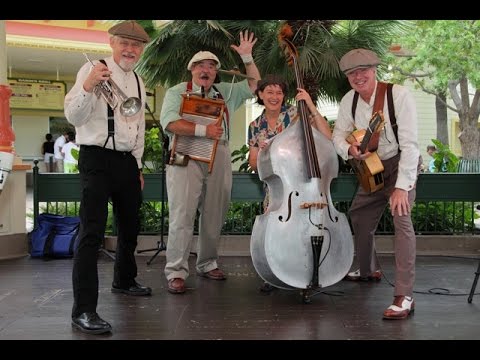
{"x": 302, "y": 241}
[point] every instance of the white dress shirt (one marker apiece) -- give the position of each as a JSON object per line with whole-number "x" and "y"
{"x": 88, "y": 113}
{"x": 406, "y": 114}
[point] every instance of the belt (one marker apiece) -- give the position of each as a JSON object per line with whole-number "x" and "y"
{"x": 102, "y": 149}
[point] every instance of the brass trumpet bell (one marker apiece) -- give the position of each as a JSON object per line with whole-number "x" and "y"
{"x": 130, "y": 106}
{"x": 114, "y": 96}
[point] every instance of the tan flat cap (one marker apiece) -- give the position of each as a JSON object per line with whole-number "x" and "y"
{"x": 130, "y": 29}
{"x": 358, "y": 58}
{"x": 203, "y": 55}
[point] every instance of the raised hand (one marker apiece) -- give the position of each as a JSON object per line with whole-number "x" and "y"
{"x": 247, "y": 40}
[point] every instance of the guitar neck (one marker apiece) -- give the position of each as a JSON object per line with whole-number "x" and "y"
{"x": 375, "y": 124}
{"x": 365, "y": 140}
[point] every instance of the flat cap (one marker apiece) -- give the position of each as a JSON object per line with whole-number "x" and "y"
{"x": 130, "y": 29}
{"x": 203, "y": 55}
{"x": 358, "y": 58}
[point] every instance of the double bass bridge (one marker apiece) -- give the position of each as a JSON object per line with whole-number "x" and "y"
{"x": 314, "y": 205}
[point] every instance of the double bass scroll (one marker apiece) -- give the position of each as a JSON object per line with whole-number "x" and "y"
{"x": 203, "y": 111}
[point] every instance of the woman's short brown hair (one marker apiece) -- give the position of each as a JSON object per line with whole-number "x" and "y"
{"x": 271, "y": 79}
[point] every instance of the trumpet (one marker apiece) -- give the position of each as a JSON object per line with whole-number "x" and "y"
{"x": 114, "y": 96}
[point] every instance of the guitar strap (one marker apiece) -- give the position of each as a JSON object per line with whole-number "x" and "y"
{"x": 391, "y": 108}
{"x": 377, "y": 106}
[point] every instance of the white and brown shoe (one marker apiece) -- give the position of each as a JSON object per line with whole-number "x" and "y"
{"x": 400, "y": 309}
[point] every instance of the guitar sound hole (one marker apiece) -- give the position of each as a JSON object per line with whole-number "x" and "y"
{"x": 378, "y": 178}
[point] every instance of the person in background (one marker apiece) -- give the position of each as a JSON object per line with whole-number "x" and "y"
{"x": 192, "y": 187}
{"x": 57, "y": 149}
{"x": 110, "y": 165}
{"x": 69, "y": 162}
{"x": 431, "y": 149}
{"x": 274, "y": 119}
{"x": 48, "y": 153}
{"x": 401, "y": 161}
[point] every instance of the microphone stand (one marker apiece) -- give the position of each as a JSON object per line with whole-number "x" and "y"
{"x": 161, "y": 243}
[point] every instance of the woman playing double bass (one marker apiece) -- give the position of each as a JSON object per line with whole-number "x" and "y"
{"x": 275, "y": 118}
{"x": 302, "y": 241}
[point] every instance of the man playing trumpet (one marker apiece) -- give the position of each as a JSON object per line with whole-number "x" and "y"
{"x": 111, "y": 147}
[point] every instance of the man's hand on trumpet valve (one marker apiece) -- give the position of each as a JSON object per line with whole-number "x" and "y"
{"x": 98, "y": 74}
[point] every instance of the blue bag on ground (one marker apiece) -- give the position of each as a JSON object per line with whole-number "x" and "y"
{"x": 54, "y": 236}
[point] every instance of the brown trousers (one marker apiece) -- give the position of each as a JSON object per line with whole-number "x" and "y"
{"x": 365, "y": 213}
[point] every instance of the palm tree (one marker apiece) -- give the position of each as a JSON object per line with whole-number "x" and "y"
{"x": 320, "y": 44}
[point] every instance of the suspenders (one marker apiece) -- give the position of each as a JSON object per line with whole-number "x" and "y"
{"x": 110, "y": 114}
{"x": 391, "y": 108}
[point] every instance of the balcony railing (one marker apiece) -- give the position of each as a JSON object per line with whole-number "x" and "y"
{"x": 445, "y": 204}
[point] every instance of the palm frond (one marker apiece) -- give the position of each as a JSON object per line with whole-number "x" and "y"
{"x": 320, "y": 45}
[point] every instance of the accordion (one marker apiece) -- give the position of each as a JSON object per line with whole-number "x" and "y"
{"x": 203, "y": 111}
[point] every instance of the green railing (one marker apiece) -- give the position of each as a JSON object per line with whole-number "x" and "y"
{"x": 445, "y": 202}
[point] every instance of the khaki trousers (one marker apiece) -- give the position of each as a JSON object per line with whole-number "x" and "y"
{"x": 190, "y": 188}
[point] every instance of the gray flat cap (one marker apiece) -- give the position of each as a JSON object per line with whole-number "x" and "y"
{"x": 358, "y": 58}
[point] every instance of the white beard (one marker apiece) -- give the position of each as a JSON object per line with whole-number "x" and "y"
{"x": 126, "y": 66}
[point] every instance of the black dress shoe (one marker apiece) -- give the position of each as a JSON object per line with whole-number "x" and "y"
{"x": 136, "y": 289}
{"x": 91, "y": 323}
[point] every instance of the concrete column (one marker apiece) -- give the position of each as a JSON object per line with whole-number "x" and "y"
{"x": 3, "y": 53}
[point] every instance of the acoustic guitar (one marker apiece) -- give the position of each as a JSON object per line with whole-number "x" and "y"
{"x": 369, "y": 171}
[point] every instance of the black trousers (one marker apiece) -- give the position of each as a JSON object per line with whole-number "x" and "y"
{"x": 105, "y": 174}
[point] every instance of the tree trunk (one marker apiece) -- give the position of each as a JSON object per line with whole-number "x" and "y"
{"x": 442, "y": 126}
{"x": 469, "y": 139}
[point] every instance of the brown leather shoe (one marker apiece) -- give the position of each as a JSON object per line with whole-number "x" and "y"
{"x": 401, "y": 308}
{"x": 176, "y": 286}
{"x": 355, "y": 276}
{"x": 215, "y": 274}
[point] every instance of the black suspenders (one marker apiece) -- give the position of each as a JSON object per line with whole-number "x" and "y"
{"x": 110, "y": 114}
{"x": 391, "y": 109}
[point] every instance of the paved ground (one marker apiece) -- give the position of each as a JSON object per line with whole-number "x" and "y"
{"x": 36, "y": 300}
